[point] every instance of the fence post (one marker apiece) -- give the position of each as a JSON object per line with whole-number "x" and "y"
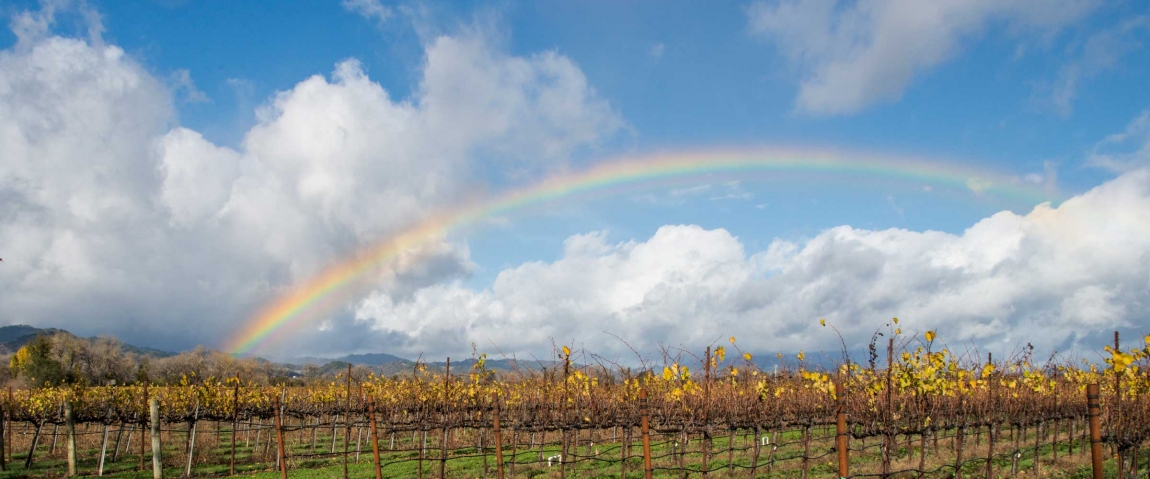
{"x": 192, "y": 439}
{"x": 1095, "y": 429}
{"x": 143, "y": 426}
{"x": 3, "y": 457}
{"x": 644, "y": 424}
{"x": 374, "y": 436}
{"x": 840, "y": 429}
{"x": 70, "y": 427}
{"x": 104, "y": 444}
{"x": 235, "y": 423}
{"x": 625, "y": 450}
{"x": 446, "y": 418}
{"x": 1116, "y": 416}
{"x": 347, "y": 421}
{"x": 157, "y": 465}
{"x": 280, "y": 438}
{"x": 498, "y": 437}
{"x": 9, "y": 418}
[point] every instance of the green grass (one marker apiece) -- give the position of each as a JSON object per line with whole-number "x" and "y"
{"x": 213, "y": 460}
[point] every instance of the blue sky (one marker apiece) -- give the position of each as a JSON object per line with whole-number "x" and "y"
{"x": 1005, "y": 86}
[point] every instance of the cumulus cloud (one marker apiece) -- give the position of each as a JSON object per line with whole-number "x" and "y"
{"x": 117, "y": 220}
{"x": 1053, "y": 277}
{"x": 853, "y": 54}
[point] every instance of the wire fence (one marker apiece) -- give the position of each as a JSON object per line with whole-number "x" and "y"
{"x": 406, "y": 450}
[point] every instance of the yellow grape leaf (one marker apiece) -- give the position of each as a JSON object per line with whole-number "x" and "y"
{"x": 930, "y": 336}
{"x": 823, "y": 322}
{"x": 732, "y": 340}
{"x": 566, "y": 351}
{"x": 895, "y": 320}
{"x": 747, "y": 356}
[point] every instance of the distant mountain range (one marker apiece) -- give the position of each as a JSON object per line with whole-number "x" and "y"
{"x": 12, "y": 338}
{"x": 388, "y": 364}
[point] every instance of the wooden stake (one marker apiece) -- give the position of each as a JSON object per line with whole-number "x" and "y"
{"x": 143, "y": 426}
{"x": 11, "y": 404}
{"x": 35, "y": 440}
{"x": 374, "y": 436}
{"x": 347, "y": 421}
{"x": 70, "y": 429}
{"x": 806, "y": 439}
{"x": 157, "y": 464}
{"x": 282, "y": 457}
{"x": 192, "y": 439}
{"x": 841, "y": 429}
{"x": 1117, "y": 417}
{"x": 646, "y": 433}
{"x": 498, "y": 437}
{"x": 1095, "y": 429}
{"x": 235, "y": 423}
{"x": 446, "y": 413}
{"x": 104, "y": 444}
{"x": 3, "y": 414}
{"x": 116, "y": 448}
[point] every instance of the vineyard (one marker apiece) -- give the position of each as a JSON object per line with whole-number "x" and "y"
{"x": 912, "y": 409}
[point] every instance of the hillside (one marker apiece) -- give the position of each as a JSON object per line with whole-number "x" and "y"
{"x": 12, "y": 338}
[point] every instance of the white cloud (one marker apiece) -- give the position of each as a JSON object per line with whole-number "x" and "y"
{"x": 369, "y": 9}
{"x": 730, "y": 190}
{"x": 1052, "y": 277}
{"x": 116, "y": 220}
{"x": 182, "y": 82}
{"x": 536, "y": 108}
{"x": 198, "y": 176}
{"x": 657, "y": 51}
{"x": 854, "y": 54}
{"x": 1126, "y": 150}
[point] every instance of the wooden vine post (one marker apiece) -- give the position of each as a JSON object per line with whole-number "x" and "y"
{"x": 281, "y": 455}
{"x": 1095, "y": 429}
{"x": 888, "y": 431}
{"x": 347, "y": 421}
{"x": 498, "y": 436}
{"x": 235, "y": 423}
{"x": 11, "y": 403}
{"x": 143, "y": 427}
{"x": 104, "y": 443}
{"x": 446, "y": 414}
{"x": 192, "y": 439}
{"x": 645, "y": 425}
{"x": 3, "y": 416}
{"x": 70, "y": 428}
{"x": 563, "y": 427}
{"x": 840, "y": 429}
{"x": 157, "y": 464}
{"x": 706, "y": 444}
{"x": 1117, "y": 407}
{"x": 374, "y": 436}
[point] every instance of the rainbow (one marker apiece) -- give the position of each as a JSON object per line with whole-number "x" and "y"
{"x": 318, "y": 294}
